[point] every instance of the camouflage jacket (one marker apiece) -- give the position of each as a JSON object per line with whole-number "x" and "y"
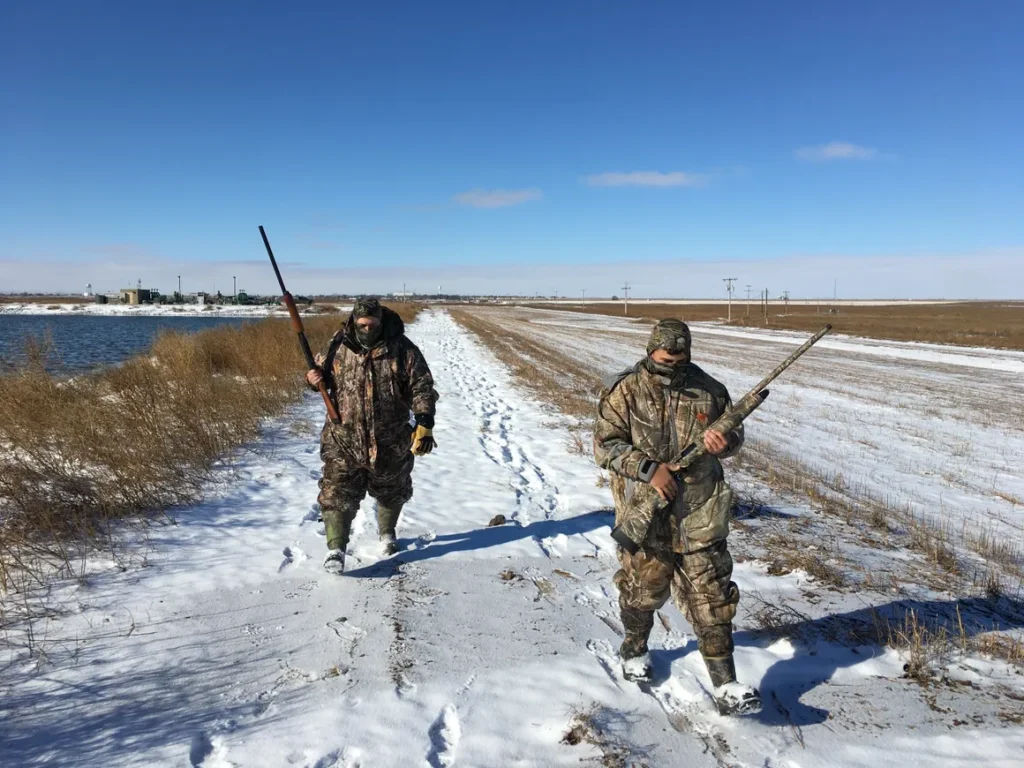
{"x": 377, "y": 391}
{"x": 646, "y": 419}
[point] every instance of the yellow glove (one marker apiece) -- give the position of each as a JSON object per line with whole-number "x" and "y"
{"x": 423, "y": 441}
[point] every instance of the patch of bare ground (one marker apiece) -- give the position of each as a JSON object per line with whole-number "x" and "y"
{"x": 854, "y": 541}
{"x": 970, "y": 323}
{"x": 591, "y": 726}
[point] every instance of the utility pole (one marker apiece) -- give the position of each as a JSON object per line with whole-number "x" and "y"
{"x": 179, "y": 287}
{"x": 748, "y": 301}
{"x": 584, "y": 292}
{"x": 785, "y": 298}
{"x": 234, "y": 286}
{"x": 728, "y": 287}
{"x": 625, "y": 299}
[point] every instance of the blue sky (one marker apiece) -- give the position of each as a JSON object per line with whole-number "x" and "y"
{"x": 425, "y": 137}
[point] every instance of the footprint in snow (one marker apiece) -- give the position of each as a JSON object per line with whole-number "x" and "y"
{"x": 199, "y": 749}
{"x": 444, "y": 738}
{"x": 291, "y": 555}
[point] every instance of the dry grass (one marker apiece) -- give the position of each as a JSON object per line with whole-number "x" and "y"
{"x": 78, "y": 453}
{"x": 71, "y": 299}
{"x": 929, "y": 641}
{"x": 834, "y": 495}
{"x": 979, "y": 324}
{"x": 587, "y": 726}
{"x": 787, "y": 554}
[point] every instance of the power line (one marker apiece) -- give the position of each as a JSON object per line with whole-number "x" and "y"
{"x": 625, "y": 294}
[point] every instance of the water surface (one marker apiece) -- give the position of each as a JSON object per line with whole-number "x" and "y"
{"x": 81, "y": 342}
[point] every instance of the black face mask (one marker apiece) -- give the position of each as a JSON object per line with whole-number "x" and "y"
{"x": 668, "y": 370}
{"x": 369, "y": 338}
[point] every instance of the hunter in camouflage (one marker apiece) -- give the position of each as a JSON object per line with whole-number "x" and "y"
{"x": 646, "y": 416}
{"x": 379, "y": 381}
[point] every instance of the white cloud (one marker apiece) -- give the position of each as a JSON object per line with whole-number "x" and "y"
{"x": 497, "y": 198}
{"x": 836, "y": 150}
{"x": 647, "y": 179}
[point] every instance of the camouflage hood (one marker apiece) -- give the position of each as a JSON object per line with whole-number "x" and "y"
{"x": 392, "y": 327}
{"x": 671, "y": 335}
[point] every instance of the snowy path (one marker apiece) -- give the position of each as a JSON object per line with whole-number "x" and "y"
{"x": 473, "y": 647}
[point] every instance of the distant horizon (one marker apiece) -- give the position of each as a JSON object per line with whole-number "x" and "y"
{"x": 992, "y": 274}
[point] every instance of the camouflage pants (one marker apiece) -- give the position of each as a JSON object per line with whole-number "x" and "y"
{"x": 699, "y": 582}
{"x": 343, "y": 486}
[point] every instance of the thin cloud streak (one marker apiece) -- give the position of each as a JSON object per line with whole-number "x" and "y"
{"x": 647, "y": 179}
{"x": 836, "y": 150}
{"x": 497, "y": 198}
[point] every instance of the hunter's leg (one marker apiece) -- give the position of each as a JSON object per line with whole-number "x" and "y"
{"x": 644, "y": 581}
{"x": 342, "y": 488}
{"x": 392, "y": 488}
{"x": 707, "y": 596}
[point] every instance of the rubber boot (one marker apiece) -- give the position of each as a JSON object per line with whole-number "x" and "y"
{"x": 387, "y": 522}
{"x": 338, "y": 525}
{"x": 636, "y": 660}
{"x": 731, "y": 697}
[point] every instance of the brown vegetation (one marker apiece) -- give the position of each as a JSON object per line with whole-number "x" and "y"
{"x": 977, "y": 324}
{"x": 33, "y": 299}
{"x": 78, "y": 453}
{"x": 588, "y": 726}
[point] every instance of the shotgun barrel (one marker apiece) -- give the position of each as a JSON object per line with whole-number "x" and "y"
{"x": 293, "y": 311}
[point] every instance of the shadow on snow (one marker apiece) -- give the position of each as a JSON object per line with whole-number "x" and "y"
{"x": 483, "y": 538}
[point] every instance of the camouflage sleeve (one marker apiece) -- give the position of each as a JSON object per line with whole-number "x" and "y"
{"x": 613, "y": 449}
{"x": 319, "y": 358}
{"x": 423, "y": 396}
{"x": 735, "y": 437}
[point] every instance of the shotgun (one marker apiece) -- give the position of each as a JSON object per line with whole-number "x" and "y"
{"x": 332, "y": 412}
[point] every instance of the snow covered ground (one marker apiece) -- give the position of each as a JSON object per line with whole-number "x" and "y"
{"x": 938, "y": 429}
{"x": 144, "y": 310}
{"x": 229, "y": 646}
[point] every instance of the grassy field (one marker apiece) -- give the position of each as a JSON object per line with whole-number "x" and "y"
{"x": 973, "y": 324}
{"x": 77, "y": 453}
{"x": 69, "y": 299}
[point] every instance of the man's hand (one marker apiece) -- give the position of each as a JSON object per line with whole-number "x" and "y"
{"x": 314, "y": 377}
{"x": 664, "y": 483}
{"x": 423, "y": 441}
{"x": 715, "y": 442}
